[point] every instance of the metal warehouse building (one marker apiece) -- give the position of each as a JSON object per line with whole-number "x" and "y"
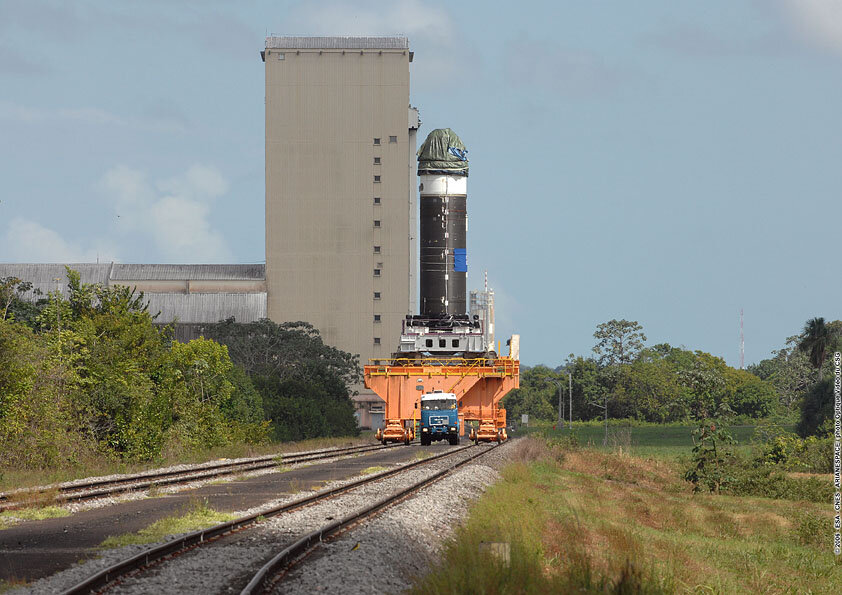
{"x": 191, "y": 295}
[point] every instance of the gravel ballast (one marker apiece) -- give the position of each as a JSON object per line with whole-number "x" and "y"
{"x": 397, "y": 545}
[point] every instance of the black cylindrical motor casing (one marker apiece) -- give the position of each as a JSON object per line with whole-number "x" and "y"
{"x": 443, "y": 235}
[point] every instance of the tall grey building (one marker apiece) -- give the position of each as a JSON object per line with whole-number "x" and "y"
{"x": 340, "y": 188}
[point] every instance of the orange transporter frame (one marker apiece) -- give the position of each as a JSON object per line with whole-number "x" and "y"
{"x": 479, "y": 385}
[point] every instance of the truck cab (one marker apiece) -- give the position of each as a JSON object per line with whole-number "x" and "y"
{"x": 439, "y": 418}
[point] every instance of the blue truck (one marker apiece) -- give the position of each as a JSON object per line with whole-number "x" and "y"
{"x": 439, "y": 418}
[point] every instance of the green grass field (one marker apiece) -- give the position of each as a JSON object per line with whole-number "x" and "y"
{"x": 593, "y": 520}
{"x": 661, "y": 441}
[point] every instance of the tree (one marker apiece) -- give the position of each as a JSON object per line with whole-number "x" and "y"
{"x": 305, "y": 385}
{"x": 537, "y": 395}
{"x": 816, "y": 339}
{"x": 12, "y": 303}
{"x": 817, "y": 410}
{"x": 789, "y": 371}
{"x": 620, "y": 341}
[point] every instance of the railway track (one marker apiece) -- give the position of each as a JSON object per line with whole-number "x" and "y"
{"x": 293, "y": 550}
{"x": 99, "y": 488}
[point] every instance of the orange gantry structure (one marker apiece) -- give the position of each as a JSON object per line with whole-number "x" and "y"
{"x": 479, "y": 385}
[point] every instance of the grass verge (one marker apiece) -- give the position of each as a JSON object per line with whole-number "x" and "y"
{"x": 594, "y": 521}
{"x": 373, "y": 470}
{"x": 13, "y": 517}
{"x": 198, "y": 516}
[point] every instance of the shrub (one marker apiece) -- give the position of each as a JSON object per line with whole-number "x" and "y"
{"x": 712, "y": 458}
{"x": 788, "y": 451}
{"x": 747, "y": 479}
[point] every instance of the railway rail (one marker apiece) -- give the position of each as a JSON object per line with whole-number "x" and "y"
{"x": 267, "y": 573}
{"x": 98, "y": 488}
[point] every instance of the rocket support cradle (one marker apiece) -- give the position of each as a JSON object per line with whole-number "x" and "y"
{"x": 442, "y": 349}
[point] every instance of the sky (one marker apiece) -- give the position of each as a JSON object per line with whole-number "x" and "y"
{"x": 660, "y": 161}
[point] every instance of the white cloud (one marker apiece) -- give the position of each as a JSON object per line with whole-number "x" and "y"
{"x": 29, "y": 241}
{"x": 196, "y": 181}
{"x": 818, "y": 21}
{"x": 172, "y": 217}
{"x": 88, "y": 116}
{"x": 173, "y": 213}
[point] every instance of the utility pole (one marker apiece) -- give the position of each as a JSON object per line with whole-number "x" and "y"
{"x": 742, "y": 343}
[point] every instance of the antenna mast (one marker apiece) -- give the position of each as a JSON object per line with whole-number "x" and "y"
{"x": 742, "y": 343}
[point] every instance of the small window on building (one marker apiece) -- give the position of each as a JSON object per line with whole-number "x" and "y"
{"x": 393, "y": 139}
{"x": 281, "y": 56}
{"x": 377, "y": 340}
{"x": 377, "y": 295}
{"x": 377, "y": 200}
{"x": 376, "y": 272}
{"x": 376, "y": 179}
{"x": 442, "y": 342}
{"x": 377, "y": 161}
{"x": 455, "y": 342}
{"x": 377, "y": 249}
{"x": 377, "y": 223}
{"x": 376, "y": 141}
{"x": 377, "y": 318}
{"x": 429, "y": 342}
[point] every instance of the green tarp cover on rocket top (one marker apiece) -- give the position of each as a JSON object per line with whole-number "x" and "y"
{"x": 443, "y": 152}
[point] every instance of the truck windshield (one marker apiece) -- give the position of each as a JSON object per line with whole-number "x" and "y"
{"x": 438, "y": 404}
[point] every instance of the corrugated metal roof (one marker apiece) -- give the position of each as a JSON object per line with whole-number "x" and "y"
{"x": 43, "y": 276}
{"x": 184, "y": 272}
{"x": 207, "y": 307}
{"x": 337, "y": 43}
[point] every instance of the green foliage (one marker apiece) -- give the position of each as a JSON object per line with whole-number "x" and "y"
{"x": 304, "y": 384}
{"x": 817, "y": 410}
{"x": 788, "y": 451}
{"x": 98, "y": 375}
{"x": 37, "y": 420}
{"x": 816, "y": 340}
{"x": 789, "y": 371}
{"x": 748, "y": 479}
{"x": 712, "y": 459}
{"x": 619, "y": 341}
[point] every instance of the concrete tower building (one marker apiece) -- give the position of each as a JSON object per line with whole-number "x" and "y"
{"x": 340, "y": 188}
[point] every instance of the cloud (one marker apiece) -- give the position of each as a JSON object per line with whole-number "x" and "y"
{"x": 168, "y": 220}
{"x": 444, "y": 56}
{"x": 173, "y": 213}
{"x": 817, "y": 21}
{"x": 88, "y": 115}
{"x": 29, "y": 241}
{"x": 577, "y": 73}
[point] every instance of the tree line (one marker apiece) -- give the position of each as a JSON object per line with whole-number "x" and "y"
{"x": 92, "y": 374}
{"x": 624, "y": 378}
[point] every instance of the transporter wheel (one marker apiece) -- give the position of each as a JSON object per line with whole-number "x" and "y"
{"x": 383, "y": 441}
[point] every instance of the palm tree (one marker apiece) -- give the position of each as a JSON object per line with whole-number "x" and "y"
{"x": 816, "y": 339}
